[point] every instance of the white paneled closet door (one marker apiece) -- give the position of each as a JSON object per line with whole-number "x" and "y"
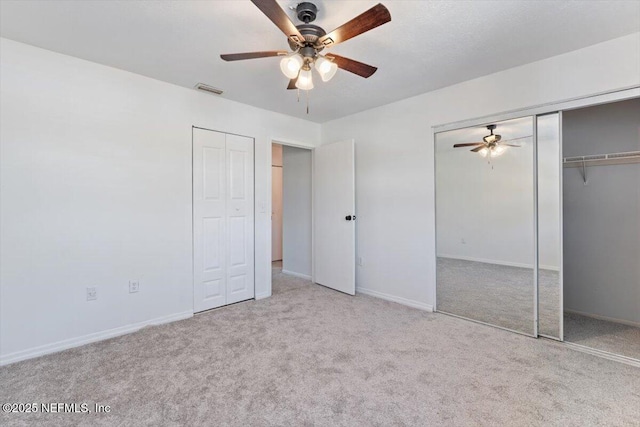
{"x": 223, "y": 221}
{"x": 240, "y": 221}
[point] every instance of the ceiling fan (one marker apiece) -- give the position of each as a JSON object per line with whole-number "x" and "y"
{"x": 492, "y": 144}
{"x": 307, "y": 41}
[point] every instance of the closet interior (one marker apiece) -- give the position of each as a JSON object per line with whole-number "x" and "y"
{"x": 601, "y": 227}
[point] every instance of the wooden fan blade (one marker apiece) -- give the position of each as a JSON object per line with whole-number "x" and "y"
{"x": 362, "y": 23}
{"x": 252, "y": 55}
{"x": 475, "y": 150}
{"x": 352, "y": 66}
{"x": 468, "y": 144}
{"x": 292, "y": 84}
{"x": 279, "y": 17}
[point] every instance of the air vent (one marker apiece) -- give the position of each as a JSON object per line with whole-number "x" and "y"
{"x": 207, "y": 88}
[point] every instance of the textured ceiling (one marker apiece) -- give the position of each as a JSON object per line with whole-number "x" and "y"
{"x": 427, "y": 45}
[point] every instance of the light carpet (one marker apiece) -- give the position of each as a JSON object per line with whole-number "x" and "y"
{"x": 602, "y": 335}
{"x": 311, "y": 356}
{"x": 499, "y": 295}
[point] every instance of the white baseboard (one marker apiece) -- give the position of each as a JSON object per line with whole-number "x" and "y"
{"x": 605, "y": 318}
{"x": 262, "y": 296}
{"x": 604, "y": 354}
{"x": 404, "y": 301}
{"x": 293, "y": 273}
{"x": 496, "y": 262}
{"x": 87, "y": 339}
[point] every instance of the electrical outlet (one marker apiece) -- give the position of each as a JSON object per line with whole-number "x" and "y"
{"x": 92, "y": 293}
{"x": 134, "y": 286}
{"x": 360, "y": 261}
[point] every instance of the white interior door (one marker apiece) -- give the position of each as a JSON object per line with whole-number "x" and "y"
{"x": 334, "y": 216}
{"x": 222, "y": 219}
{"x": 209, "y": 222}
{"x": 276, "y": 213}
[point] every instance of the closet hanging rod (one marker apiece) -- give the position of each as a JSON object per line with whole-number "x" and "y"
{"x": 602, "y": 159}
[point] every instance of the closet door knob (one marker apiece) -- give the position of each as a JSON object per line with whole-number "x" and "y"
{"x": 348, "y": 217}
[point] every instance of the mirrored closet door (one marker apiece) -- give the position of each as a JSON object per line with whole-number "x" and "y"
{"x": 549, "y": 225}
{"x": 485, "y": 224}
{"x": 538, "y": 225}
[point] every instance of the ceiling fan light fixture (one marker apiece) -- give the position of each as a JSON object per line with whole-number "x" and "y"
{"x": 290, "y": 65}
{"x": 498, "y": 150}
{"x": 305, "y": 80}
{"x": 327, "y": 69}
{"x": 306, "y": 40}
{"x": 484, "y": 152}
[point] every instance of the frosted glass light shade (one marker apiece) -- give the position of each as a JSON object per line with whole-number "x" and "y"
{"x": 327, "y": 69}
{"x": 498, "y": 150}
{"x": 484, "y": 152}
{"x": 305, "y": 81}
{"x": 290, "y": 65}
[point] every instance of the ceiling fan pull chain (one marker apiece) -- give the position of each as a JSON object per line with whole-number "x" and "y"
{"x": 307, "y": 102}
{"x": 298, "y": 95}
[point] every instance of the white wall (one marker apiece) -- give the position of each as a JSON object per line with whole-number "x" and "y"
{"x": 602, "y": 218}
{"x": 297, "y": 211}
{"x": 394, "y": 154}
{"x": 96, "y": 190}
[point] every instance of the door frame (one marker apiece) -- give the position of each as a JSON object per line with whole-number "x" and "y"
{"x": 193, "y": 252}
{"x": 304, "y": 146}
{"x": 536, "y": 110}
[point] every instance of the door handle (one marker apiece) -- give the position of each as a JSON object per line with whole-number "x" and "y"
{"x": 350, "y": 217}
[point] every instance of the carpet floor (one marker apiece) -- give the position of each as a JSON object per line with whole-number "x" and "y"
{"x": 602, "y": 335}
{"x": 312, "y": 356}
{"x": 503, "y": 296}
{"x": 499, "y": 295}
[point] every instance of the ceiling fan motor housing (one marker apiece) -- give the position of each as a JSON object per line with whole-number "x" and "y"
{"x": 307, "y": 12}
{"x": 311, "y": 34}
{"x": 308, "y": 52}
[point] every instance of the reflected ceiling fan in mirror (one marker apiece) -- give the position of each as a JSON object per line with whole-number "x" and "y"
{"x": 306, "y": 41}
{"x": 492, "y": 145}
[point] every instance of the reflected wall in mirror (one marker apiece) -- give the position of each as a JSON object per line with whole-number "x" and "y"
{"x": 485, "y": 224}
{"x": 549, "y": 229}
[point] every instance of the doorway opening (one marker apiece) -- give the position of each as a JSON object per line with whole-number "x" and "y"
{"x": 291, "y": 218}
